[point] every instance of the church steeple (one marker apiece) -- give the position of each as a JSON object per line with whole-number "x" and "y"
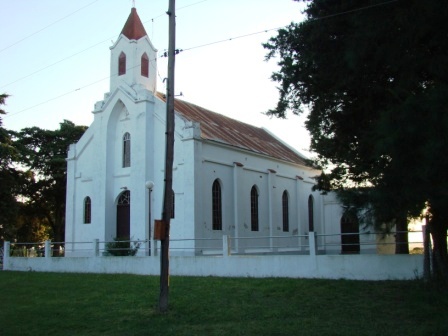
{"x": 133, "y": 28}
{"x": 133, "y": 57}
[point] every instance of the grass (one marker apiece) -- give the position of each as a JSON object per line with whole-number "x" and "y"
{"x": 93, "y": 304}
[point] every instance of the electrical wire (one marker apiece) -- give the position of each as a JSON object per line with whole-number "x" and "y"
{"x": 80, "y": 52}
{"x": 51, "y": 24}
{"x": 53, "y": 64}
{"x": 187, "y": 49}
{"x": 230, "y": 39}
{"x": 178, "y": 9}
{"x": 75, "y": 90}
{"x": 353, "y": 10}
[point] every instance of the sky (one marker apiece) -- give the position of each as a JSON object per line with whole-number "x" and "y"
{"x": 55, "y": 58}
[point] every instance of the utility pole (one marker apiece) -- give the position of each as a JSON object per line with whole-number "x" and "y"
{"x": 169, "y": 158}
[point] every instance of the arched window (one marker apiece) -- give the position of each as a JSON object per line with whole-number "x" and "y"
{"x": 173, "y": 204}
{"x": 126, "y": 150}
{"x": 254, "y": 209}
{"x": 144, "y": 64}
{"x": 125, "y": 198}
{"x": 122, "y": 64}
{"x": 87, "y": 210}
{"x": 349, "y": 234}
{"x": 216, "y": 206}
{"x": 285, "y": 211}
{"x": 124, "y": 215}
{"x": 311, "y": 213}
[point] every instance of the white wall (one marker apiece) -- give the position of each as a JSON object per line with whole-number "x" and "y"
{"x": 238, "y": 170}
{"x": 356, "y": 267}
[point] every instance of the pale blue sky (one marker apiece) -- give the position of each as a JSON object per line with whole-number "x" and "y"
{"x": 67, "y": 56}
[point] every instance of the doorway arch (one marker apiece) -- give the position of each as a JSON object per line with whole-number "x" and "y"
{"x": 311, "y": 213}
{"x": 349, "y": 234}
{"x": 124, "y": 215}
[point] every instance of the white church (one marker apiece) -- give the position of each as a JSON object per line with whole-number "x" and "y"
{"x": 229, "y": 179}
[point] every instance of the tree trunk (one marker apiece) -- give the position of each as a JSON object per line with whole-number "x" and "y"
{"x": 401, "y": 237}
{"x": 440, "y": 254}
{"x": 438, "y": 228}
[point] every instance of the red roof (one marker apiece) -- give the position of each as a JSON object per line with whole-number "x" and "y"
{"x": 133, "y": 28}
{"x": 225, "y": 130}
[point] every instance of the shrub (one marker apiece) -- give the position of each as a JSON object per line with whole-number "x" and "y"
{"x": 122, "y": 246}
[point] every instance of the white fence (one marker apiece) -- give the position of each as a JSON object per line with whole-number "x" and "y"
{"x": 309, "y": 264}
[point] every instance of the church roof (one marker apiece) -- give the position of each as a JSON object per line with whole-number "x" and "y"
{"x": 133, "y": 28}
{"x": 222, "y": 129}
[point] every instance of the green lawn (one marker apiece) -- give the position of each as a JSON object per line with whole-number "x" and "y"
{"x": 92, "y": 304}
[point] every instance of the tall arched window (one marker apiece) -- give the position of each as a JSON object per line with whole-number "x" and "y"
{"x": 254, "y": 209}
{"x": 122, "y": 64}
{"x": 124, "y": 215}
{"x": 173, "y": 205}
{"x": 144, "y": 64}
{"x": 311, "y": 213}
{"x": 126, "y": 150}
{"x": 87, "y": 210}
{"x": 216, "y": 206}
{"x": 349, "y": 234}
{"x": 285, "y": 211}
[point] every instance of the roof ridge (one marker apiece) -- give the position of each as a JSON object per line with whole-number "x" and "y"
{"x": 163, "y": 96}
{"x": 223, "y": 129}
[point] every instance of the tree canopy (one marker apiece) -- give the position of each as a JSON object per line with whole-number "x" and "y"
{"x": 374, "y": 76}
{"x": 43, "y": 153}
{"x": 11, "y": 179}
{"x": 33, "y": 180}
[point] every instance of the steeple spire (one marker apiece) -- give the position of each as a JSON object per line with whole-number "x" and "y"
{"x": 133, "y": 58}
{"x": 133, "y": 28}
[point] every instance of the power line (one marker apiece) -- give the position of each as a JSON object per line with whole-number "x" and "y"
{"x": 54, "y": 98}
{"x": 53, "y": 64}
{"x": 78, "y": 89}
{"x": 180, "y": 8}
{"x": 51, "y": 24}
{"x": 353, "y": 10}
{"x": 267, "y": 30}
{"x": 79, "y": 52}
{"x": 152, "y": 64}
{"x": 191, "y": 48}
{"x": 231, "y": 39}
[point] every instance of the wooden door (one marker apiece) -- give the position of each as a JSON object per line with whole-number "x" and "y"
{"x": 124, "y": 215}
{"x": 349, "y": 235}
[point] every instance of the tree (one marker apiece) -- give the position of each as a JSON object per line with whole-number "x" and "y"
{"x": 373, "y": 74}
{"x": 43, "y": 152}
{"x": 11, "y": 181}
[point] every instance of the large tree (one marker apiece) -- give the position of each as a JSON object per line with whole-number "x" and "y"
{"x": 374, "y": 76}
{"x": 43, "y": 153}
{"x": 11, "y": 181}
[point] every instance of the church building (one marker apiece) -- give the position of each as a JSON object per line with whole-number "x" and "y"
{"x": 229, "y": 178}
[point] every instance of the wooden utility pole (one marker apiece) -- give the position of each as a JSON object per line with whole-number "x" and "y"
{"x": 426, "y": 250}
{"x": 169, "y": 158}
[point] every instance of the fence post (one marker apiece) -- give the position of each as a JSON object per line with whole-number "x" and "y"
{"x": 48, "y": 249}
{"x": 6, "y": 254}
{"x": 312, "y": 242}
{"x": 427, "y": 252}
{"x": 225, "y": 245}
{"x": 313, "y": 248}
{"x": 153, "y": 247}
{"x": 96, "y": 247}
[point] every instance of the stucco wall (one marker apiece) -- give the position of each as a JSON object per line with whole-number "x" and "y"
{"x": 357, "y": 267}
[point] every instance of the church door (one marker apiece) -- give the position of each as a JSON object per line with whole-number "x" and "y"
{"x": 349, "y": 235}
{"x": 124, "y": 215}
